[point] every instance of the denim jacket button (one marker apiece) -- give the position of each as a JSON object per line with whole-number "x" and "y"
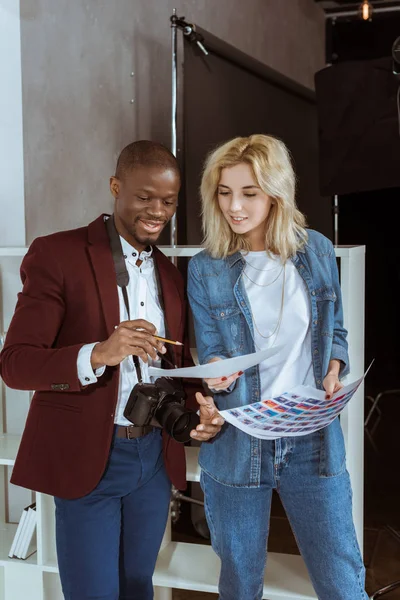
{"x": 318, "y": 381}
{"x": 222, "y": 314}
{"x": 315, "y": 351}
{"x": 316, "y": 322}
{"x": 312, "y": 293}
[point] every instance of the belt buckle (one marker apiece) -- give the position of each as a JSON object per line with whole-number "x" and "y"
{"x": 130, "y": 429}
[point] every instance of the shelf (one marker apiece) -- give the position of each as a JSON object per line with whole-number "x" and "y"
{"x": 192, "y": 467}
{"x": 196, "y": 567}
{"x": 188, "y": 250}
{"x": 349, "y": 251}
{"x": 180, "y": 565}
{"x": 52, "y": 587}
{"x": 9, "y": 445}
{"x": 7, "y": 532}
{"x": 50, "y": 567}
{"x": 13, "y": 251}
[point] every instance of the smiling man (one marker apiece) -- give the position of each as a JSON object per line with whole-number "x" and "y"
{"x": 77, "y": 339}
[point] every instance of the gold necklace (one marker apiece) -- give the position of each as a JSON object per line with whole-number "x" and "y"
{"x": 263, "y": 284}
{"x": 279, "y": 322}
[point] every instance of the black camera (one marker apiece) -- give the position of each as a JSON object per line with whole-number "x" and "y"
{"x": 161, "y": 404}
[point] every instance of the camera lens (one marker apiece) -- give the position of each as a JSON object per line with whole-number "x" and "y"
{"x": 177, "y": 421}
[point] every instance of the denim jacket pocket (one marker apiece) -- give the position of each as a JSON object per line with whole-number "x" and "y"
{"x": 228, "y": 322}
{"x": 332, "y": 460}
{"x": 221, "y": 313}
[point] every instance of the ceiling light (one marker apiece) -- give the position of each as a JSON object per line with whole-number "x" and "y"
{"x": 365, "y": 11}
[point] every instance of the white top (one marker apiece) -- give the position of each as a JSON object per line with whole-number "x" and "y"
{"x": 263, "y": 278}
{"x": 143, "y": 304}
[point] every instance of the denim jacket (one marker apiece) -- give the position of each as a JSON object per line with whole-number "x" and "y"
{"x": 224, "y": 328}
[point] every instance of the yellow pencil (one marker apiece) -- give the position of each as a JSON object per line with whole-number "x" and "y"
{"x": 168, "y": 341}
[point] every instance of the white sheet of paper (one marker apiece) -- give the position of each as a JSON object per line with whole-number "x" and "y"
{"x": 220, "y": 368}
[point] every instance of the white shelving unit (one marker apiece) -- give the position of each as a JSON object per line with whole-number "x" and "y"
{"x": 180, "y": 565}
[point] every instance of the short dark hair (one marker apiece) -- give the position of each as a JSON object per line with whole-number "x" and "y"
{"x": 144, "y": 153}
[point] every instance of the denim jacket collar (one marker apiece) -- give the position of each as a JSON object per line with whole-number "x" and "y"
{"x": 232, "y": 259}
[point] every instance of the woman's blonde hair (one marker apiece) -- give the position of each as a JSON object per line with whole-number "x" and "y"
{"x": 270, "y": 162}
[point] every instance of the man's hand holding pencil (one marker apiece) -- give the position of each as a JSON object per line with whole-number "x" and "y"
{"x": 130, "y": 338}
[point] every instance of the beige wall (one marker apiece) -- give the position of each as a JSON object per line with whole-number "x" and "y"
{"x": 77, "y": 59}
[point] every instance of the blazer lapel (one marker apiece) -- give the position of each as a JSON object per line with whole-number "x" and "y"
{"x": 103, "y": 267}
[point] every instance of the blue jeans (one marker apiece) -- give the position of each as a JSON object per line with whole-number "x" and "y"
{"x": 319, "y": 509}
{"x": 108, "y": 541}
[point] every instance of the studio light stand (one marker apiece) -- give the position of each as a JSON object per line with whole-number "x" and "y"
{"x": 189, "y": 31}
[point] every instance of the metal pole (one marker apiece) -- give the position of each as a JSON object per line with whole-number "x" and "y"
{"x": 174, "y": 114}
{"x": 336, "y": 219}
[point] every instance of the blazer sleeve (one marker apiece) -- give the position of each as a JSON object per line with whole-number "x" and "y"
{"x": 30, "y": 360}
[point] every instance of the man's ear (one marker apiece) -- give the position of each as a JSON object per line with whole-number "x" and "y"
{"x": 115, "y": 186}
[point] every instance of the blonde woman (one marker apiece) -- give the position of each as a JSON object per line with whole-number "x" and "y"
{"x": 262, "y": 280}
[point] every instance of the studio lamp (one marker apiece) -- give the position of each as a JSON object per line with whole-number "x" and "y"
{"x": 365, "y": 10}
{"x": 396, "y": 57}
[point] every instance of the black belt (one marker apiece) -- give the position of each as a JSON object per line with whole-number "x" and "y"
{"x": 133, "y": 431}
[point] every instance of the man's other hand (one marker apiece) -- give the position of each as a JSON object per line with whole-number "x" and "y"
{"x": 210, "y": 419}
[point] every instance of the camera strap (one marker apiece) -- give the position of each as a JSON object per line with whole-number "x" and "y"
{"x": 122, "y": 275}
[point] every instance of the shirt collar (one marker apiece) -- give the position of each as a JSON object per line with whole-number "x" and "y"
{"x": 130, "y": 251}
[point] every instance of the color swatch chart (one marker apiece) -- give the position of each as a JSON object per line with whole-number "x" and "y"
{"x": 300, "y": 411}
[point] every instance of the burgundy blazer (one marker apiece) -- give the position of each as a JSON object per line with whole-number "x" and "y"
{"x": 69, "y": 299}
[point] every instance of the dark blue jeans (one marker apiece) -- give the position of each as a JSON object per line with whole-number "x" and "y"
{"x": 108, "y": 541}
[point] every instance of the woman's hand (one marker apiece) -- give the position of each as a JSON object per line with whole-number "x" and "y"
{"x": 331, "y": 383}
{"x": 221, "y": 383}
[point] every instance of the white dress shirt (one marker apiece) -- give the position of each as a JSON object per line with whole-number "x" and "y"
{"x": 143, "y": 304}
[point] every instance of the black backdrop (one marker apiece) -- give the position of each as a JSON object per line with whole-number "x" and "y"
{"x": 227, "y": 94}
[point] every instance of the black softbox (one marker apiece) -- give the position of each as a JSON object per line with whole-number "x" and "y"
{"x": 358, "y": 127}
